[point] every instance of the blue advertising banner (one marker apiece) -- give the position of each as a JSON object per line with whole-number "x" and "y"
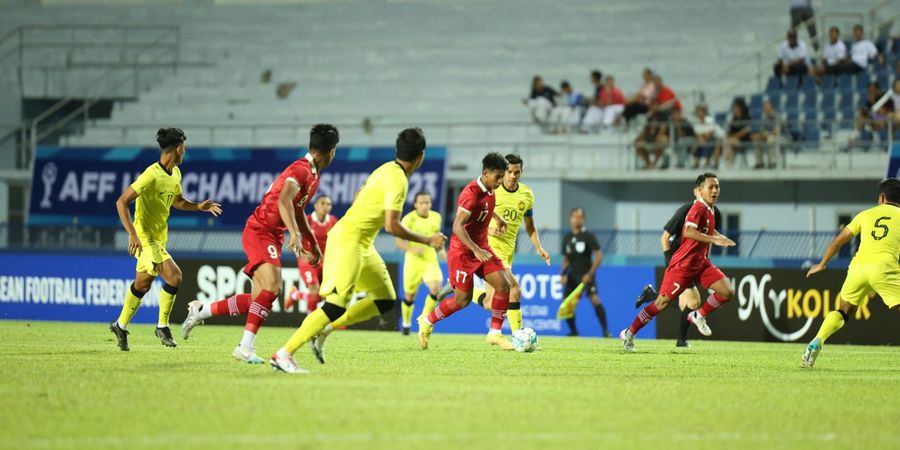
{"x": 80, "y": 185}
{"x": 74, "y": 288}
{"x": 542, "y": 294}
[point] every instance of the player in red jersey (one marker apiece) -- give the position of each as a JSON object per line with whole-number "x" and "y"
{"x": 320, "y": 221}
{"x": 471, "y": 255}
{"x": 690, "y": 264}
{"x": 281, "y": 209}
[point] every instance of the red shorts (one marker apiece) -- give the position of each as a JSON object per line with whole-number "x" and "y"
{"x": 679, "y": 278}
{"x": 311, "y": 275}
{"x": 261, "y": 246}
{"x": 462, "y": 265}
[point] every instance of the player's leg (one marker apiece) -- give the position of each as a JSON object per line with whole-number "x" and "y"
{"x": 571, "y": 283}
{"x": 171, "y": 274}
{"x": 266, "y": 287}
{"x": 496, "y": 277}
{"x": 687, "y": 302}
{"x": 412, "y": 278}
{"x": 673, "y": 284}
{"x": 130, "y": 305}
{"x": 598, "y": 307}
{"x": 514, "y": 311}
{"x": 433, "y": 278}
{"x": 461, "y": 268}
{"x": 711, "y": 278}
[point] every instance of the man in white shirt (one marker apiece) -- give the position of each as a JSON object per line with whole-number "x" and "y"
{"x": 833, "y": 55}
{"x": 862, "y": 52}
{"x": 793, "y": 59}
{"x": 709, "y": 135}
{"x": 802, "y": 11}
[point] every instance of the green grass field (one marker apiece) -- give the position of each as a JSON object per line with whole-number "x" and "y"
{"x": 68, "y": 386}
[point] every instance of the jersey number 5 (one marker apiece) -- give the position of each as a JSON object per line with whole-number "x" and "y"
{"x": 884, "y": 229}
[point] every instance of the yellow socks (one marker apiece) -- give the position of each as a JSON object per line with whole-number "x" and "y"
{"x": 130, "y": 307}
{"x": 362, "y": 310}
{"x": 833, "y": 322}
{"x": 166, "y": 302}
{"x": 514, "y": 315}
{"x": 312, "y": 325}
{"x": 406, "y": 311}
{"x": 430, "y": 303}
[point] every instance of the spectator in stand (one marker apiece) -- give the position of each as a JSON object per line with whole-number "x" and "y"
{"x": 767, "y": 138}
{"x": 893, "y": 104}
{"x": 869, "y": 120}
{"x": 609, "y": 105}
{"x": 594, "y": 116}
{"x": 862, "y": 52}
{"x": 793, "y": 59}
{"x": 739, "y": 135}
{"x": 575, "y": 105}
{"x": 640, "y": 102}
{"x": 708, "y": 135}
{"x": 542, "y": 103}
{"x": 655, "y": 131}
{"x": 685, "y": 138}
{"x": 834, "y": 56}
{"x": 802, "y": 11}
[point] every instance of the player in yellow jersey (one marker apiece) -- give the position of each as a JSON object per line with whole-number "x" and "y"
{"x": 351, "y": 261}
{"x": 515, "y": 202}
{"x": 420, "y": 265}
{"x": 874, "y": 268}
{"x": 156, "y": 190}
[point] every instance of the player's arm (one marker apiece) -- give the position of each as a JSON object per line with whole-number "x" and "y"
{"x": 535, "y": 238}
{"x": 403, "y": 244}
{"x": 393, "y": 226}
{"x": 845, "y": 236}
{"x": 501, "y": 224}
{"x": 664, "y": 241}
{"x": 691, "y": 232}
{"x": 459, "y": 230}
{"x": 207, "y": 205}
{"x": 297, "y": 232}
{"x": 123, "y": 203}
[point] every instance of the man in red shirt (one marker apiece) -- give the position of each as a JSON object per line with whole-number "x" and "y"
{"x": 320, "y": 221}
{"x": 656, "y": 132}
{"x": 690, "y": 264}
{"x": 471, "y": 255}
{"x": 281, "y": 209}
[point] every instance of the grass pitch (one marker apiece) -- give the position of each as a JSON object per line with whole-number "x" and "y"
{"x": 67, "y": 386}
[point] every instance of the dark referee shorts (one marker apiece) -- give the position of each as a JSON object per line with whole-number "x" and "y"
{"x": 697, "y": 285}
{"x": 575, "y": 280}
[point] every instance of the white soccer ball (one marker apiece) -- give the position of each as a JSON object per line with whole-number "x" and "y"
{"x": 525, "y": 340}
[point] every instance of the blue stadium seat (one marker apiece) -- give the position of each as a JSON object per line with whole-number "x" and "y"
{"x": 775, "y": 99}
{"x": 721, "y": 118}
{"x": 773, "y": 85}
{"x": 828, "y": 101}
{"x": 828, "y": 118}
{"x": 862, "y": 81}
{"x": 791, "y": 101}
{"x": 847, "y": 117}
{"x": 828, "y": 82}
{"x": 845, "y": 83}
{"x": 810, "y": 135}
{"x": 846, "y": 100}
{"x": 810, "y": 100}
{"x": 756, "y": 101}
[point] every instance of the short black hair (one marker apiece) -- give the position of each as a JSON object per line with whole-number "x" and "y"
{"x": 419, "y": 194}
{"x": 513, "y": 158}
{"x": 702, "y": 178}
{"x": 834, "y": 29}
{"x": 890, "y": 187}
{"x": 576, "y": 209}
{"x": 323, "y": 137}
{"x": 596, "y": 75}
{"x": 170, "y": 138}
{"x": 564, "y": 84}
{"x": 410, "y": 144}
{"x": 320, "y": 197}
{"x": 493, "y": 161}
{"x": 858, "y": 27}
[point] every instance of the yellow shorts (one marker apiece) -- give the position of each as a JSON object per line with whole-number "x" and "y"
{"x": 506, "y": 257}
{"x": 864, "y": 278}
{"x": 152, "y": 253}
{"x": 349, "y": 268}
{"x": 418, "y": 272}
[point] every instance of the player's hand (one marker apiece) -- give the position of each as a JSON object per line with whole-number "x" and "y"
{"x": 544, "y": 255}
{"x": 482, "y": 255}
{"x": 723, "y": 241}
{"x": 501, "y": 226}
{"x": 418, "y": 251}
{"x": 437, "y": 240}
{"x": 134, "y": 245}
{"x": 296, "y": 245}
{"x": 815, "y": 269}
{"x": 315, "y": 255}
{"x": 211, "y": 207}
{"x": 563, "y": 280}
{"x": 588, "y": 278}
{"x": 494, "y": 231}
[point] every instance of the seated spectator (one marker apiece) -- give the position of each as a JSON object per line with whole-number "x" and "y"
{"x": 767, "y": 138}
{"x": 683, "y": 133}
{"x": 708, "y": 135}
{"x": 862, "y": 52}
{"x": 654, "y": 133}
{"x": 793, "y": 60}
{"x": 833, "y": 56}
{"x": 594, "y": 116}
{"x": 610, "y": 104}
{"x": 640, "y": 102}
{"x": 738, "y": 137}
{"x": 576, "y": 103}
{"x": 542, "y": 103}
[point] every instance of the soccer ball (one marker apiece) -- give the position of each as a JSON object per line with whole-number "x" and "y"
{"x": 525, "y": 340}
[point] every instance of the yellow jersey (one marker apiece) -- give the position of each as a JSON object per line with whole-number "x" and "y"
{"x": 426, "y": 226}
{"x": 513, "y": 207}
{"x": 385, "y": 189}
{"x": 879, "y": 232}
{"x": 156, "y": 190}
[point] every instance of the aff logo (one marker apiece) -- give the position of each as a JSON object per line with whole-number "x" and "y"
{"x": 756, "y": 294}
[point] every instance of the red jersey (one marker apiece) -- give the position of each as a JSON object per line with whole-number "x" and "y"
{"x": 665, "y": 94}
{"x": 304, "y": 174}
{"x": 319, "y": 229}
{"x": 477, "y": 199}
{"x": 691, "y": 252}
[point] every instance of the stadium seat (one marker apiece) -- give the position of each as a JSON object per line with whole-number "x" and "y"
{"x": 773, "y": 85}
{"x": 862, "y": 80}
{"x": 828, "y": 101}
{"x": 828, "y": 82}
{"x": 791, "y": 101}
{"x": 810, "y": 100}
{"x": 845, "y": 82}
{"x": 756, "y": 101}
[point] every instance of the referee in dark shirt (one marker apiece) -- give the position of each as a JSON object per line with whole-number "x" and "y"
{"x": 670, "y": 240}
{"x": 581, "y": 258}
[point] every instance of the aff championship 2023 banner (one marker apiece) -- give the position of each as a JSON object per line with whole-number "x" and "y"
{"x": 80, "y": 185}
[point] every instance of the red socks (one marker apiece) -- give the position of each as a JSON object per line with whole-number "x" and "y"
{"x": 312, "y": 301}
{"x": 235, "y": 305}
{"x": 713, "y": 302}
{"x": 444, "y": 309}
{"x": 259, "y": 310}
{"x": 644, "y": 317}
{"x": 499, "y": 305}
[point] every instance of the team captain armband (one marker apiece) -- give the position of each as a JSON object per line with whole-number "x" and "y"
{"x": 529, "y": 213}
